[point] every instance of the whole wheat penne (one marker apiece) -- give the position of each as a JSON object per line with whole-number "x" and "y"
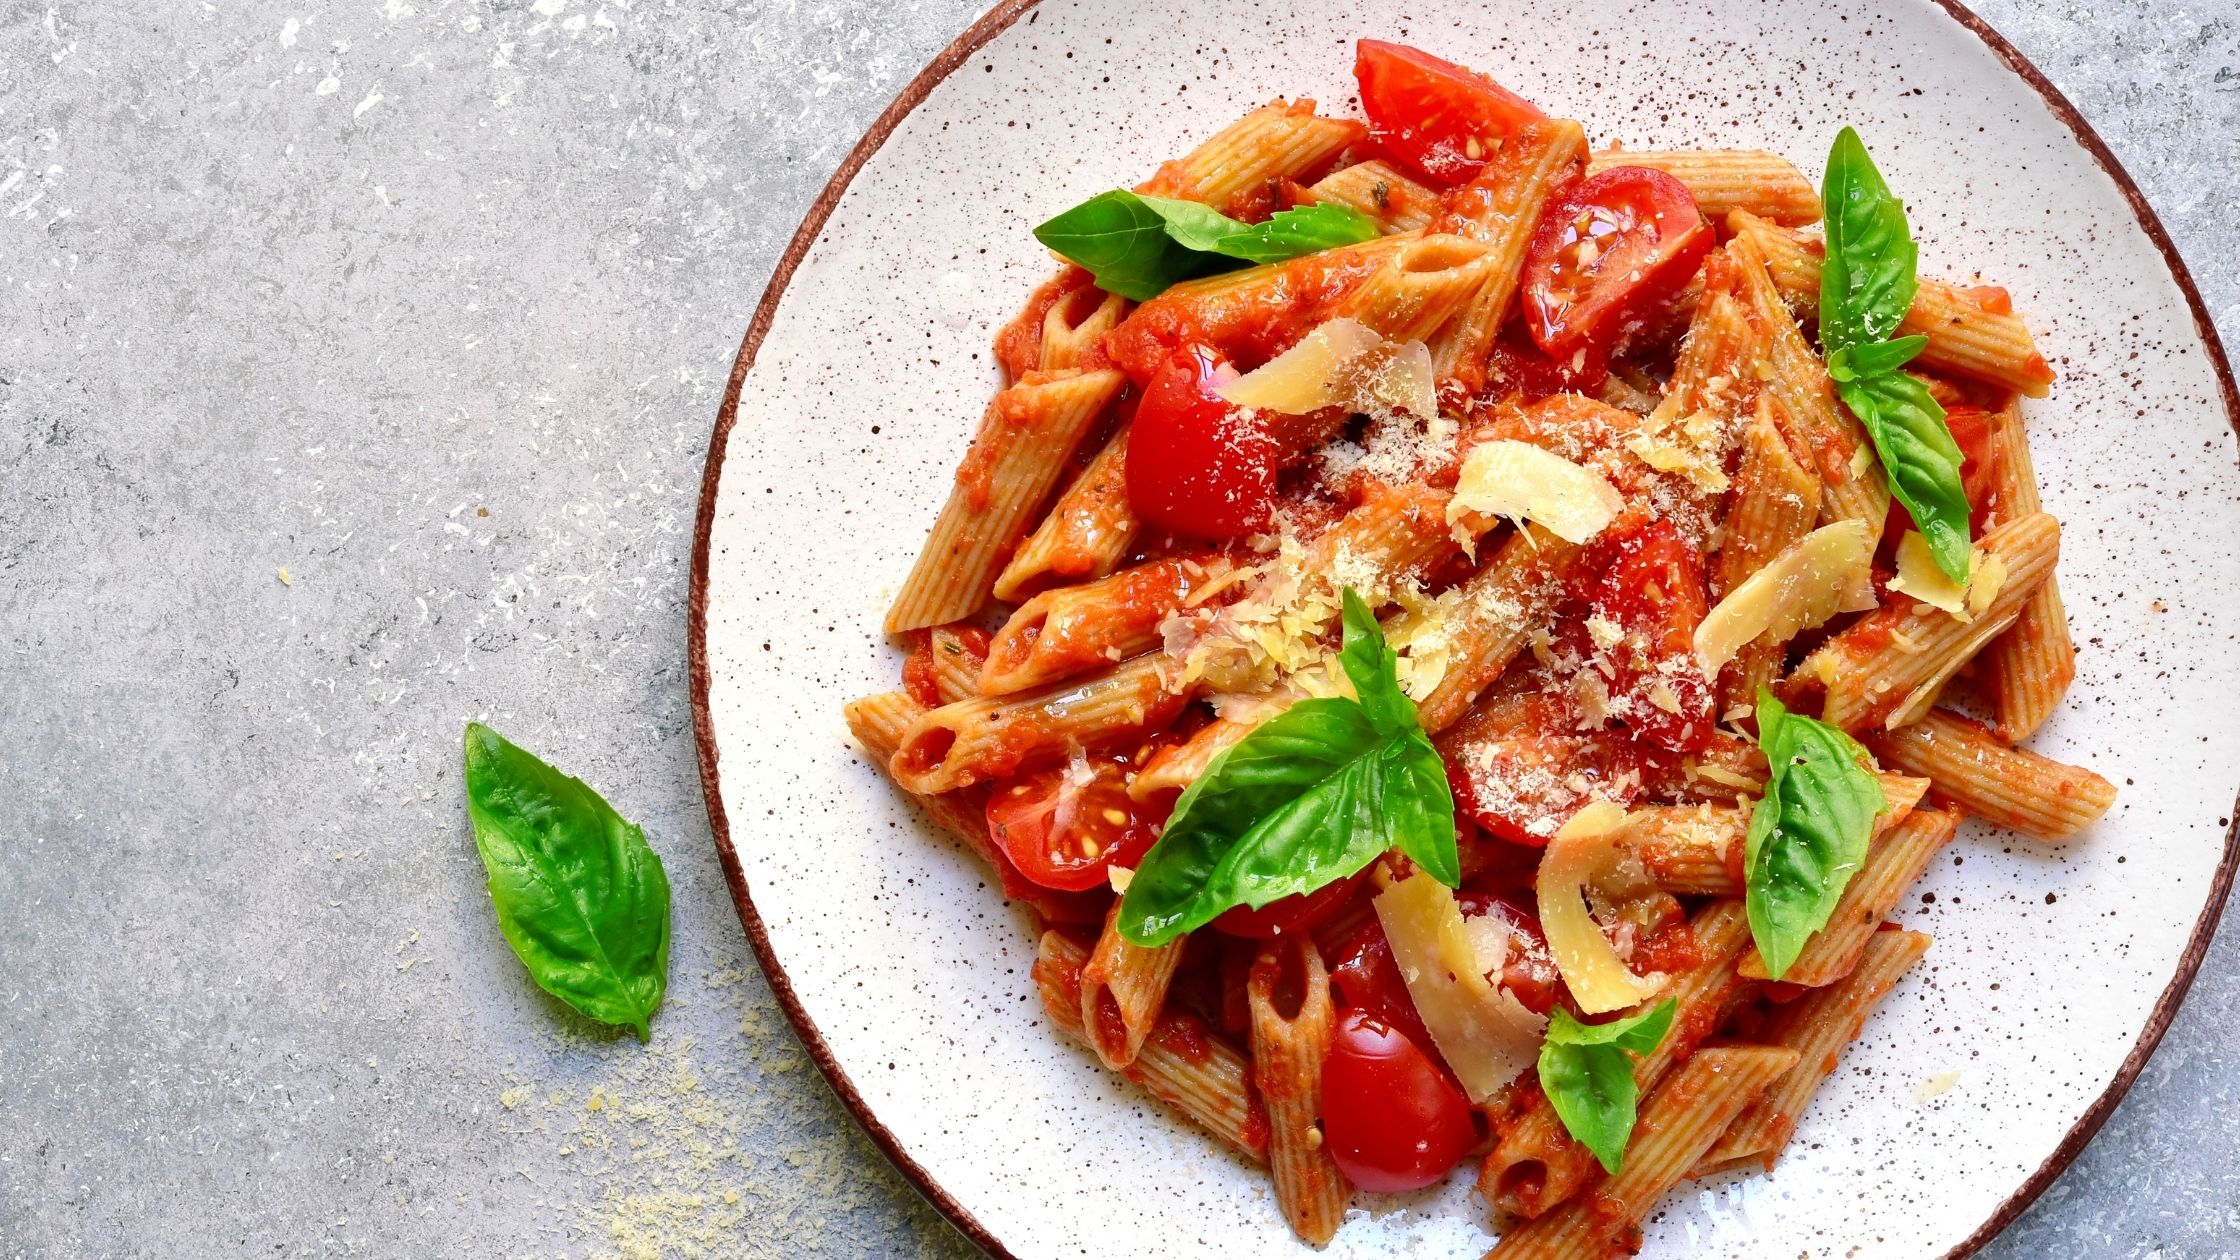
{"x": 1818, "y": 1027}
{"x": 1537, "y": 1164}
{"x": 1420, "y": 286}
{"x": 1964, "y": 337}
{"x": 1380, "y": 190}
{"x": 1292, "y": 1020}
{"x": 1178, "y": 765}
{"x": 1886, "y": 668}
{"x": 1076, "y": 324}
{"x": 1696, "y": 850}
{"x": 1029, "y": 434}
{"x": 2003, "y": 785}
{"x": 1087, "y": 532}
{"x": 1183, "y": 1063}
{"x": 2028, "y": 669}
{"x": 1502, "y": 207}
{"x": 971, "y": 741}
{"x": 1725, "y": 180}
{"x": 879, "y": 723}
{"x": 1851, "y": 482}
{"x": 1075, "y": 629}
{"x": 1123, "y": 988}
{"x": 1512, "y": 595}
{"x": 1018, "y": 344}
{"x": 1894, "y": 862}
{"x": 1283, "y": 139}
{"x": 1677, "y": 1123}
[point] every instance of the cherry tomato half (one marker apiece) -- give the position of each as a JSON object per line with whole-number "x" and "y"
{"x": 1391, "y": 1119}
{"x": 1604, "y": 253}
{"x": 1366, "y": 979}
{"x": 1062, "y": 829}
{"x": 1980, "y": 460}
{"x": 1529, "y": 971}
{"x": 1434, "y": 115}
{"x": 1196, "y": 464}
{"x": 1520, "y": 771}
{"x": 1287, "y": 914}
{"x": 1652, "y": 589}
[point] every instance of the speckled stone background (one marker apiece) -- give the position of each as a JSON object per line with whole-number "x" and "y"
{"x": 356, "y": 368}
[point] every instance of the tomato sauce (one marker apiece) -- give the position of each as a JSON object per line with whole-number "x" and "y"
{"x": 1248, "y": 322}
{"x": 1019, "y": 343}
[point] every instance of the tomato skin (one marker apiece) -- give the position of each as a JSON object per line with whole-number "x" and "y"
{"x": 1196, "y": 464}
{"x": 1287, "y": 914}
{"x": 1517, "y": 764}
{"x": 1980, "y": 461}
{"x": 1063, "y": 835}
{"x": 1606, "y": 251}
{"x": 1430, "y": 114}
{"x": 1367, "y": 979}
{"x": 1391, "y": 1119}
{"x": 1652, "y": 586}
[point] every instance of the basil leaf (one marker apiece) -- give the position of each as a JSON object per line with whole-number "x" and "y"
{"x": 1122, "y": 241}
{"x": 1300, "y": 231}
{"x": 1808, "y": 834}
{"x": 1308, "y": 798}
{"x": 580, "y": 896}
{"x": 1587, "y": 1074}
{"x": 1867, "y": 282}
{"x": 1873, "y": 358}
{"x": 1919, "y": 456}
{"x": 1138, "y": 246}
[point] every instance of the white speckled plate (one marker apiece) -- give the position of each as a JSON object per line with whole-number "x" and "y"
{"x": 866, "y": 370}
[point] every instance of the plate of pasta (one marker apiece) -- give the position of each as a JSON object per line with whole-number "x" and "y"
{"x": 1331, "y": 633}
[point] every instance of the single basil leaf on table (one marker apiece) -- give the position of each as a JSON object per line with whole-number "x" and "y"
{"x": 1138, "y": 246}
{"x": 1308, "y": 798}
{"x": 580, "y": 896}
{"x": 1586, "y": 1070}
{"x": 1920, "y": 459}
{"x": 1808, "y": 834}
{"x": 1867, "y": 280}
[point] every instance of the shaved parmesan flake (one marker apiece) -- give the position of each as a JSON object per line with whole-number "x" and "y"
{"x": 1119, "y": 877}
{"x": 1935, "y": 1084}
{"x": 1919, "y": 576}
{"x": 1523, "y": 482}
{"x": 1826, "y": 572}
{"x": 1985, "y": 580}
{"x": 1862, "y": 460}
{"x": 1484, "y": 1033}
{"x": 1694, "y": 448}
{"x": 1586, "y": 855}
{"x": 1342, "y": 363}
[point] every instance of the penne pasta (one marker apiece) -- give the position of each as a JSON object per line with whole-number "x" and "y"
{"x": 1292, "y": 1019}
{"x": 1725, "y": 180}
{"x": 1419, "y": 287}
{"x": 1075, "y": 629}
{"x": 1897, "y": 860}
{"x": 879, "y": 724}
{"x": 1280, "y": 140}
{"x": 2027, "y": 670}
{"x": 1380, "y": 190}
{"x": 1512, "y": 594}
{"x": 1029, "y": 434}
{"x": 1887, "y": 668}
{"x": 1677, "y": 1124}
{"x": 1776, "y": 502}
{"x": 1073, "y": 329}
{"x": 972, "y": 741}
{"x": 1817, "y": 1026}
{"x": 1182, "y": 1063}
{"x": 1851, "y": 481}
{"x": 1086, "y": 533}
{"x": 1123, "y": 988}
{"x": 955, "y": 655}
{"x": 2003, "y": 785}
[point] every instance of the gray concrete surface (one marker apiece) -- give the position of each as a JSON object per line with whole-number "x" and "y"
{"x": 356, "y": 367}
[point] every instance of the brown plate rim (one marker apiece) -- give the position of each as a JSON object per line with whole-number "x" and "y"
{"x": 993, "y": 23}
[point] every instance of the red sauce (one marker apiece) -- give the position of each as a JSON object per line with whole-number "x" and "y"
{"x": 1671, "y": 947}
{"x": 919, "y": 677}
{"x": 1185, "y": 1038}
{"x": 1019, "y": 343}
